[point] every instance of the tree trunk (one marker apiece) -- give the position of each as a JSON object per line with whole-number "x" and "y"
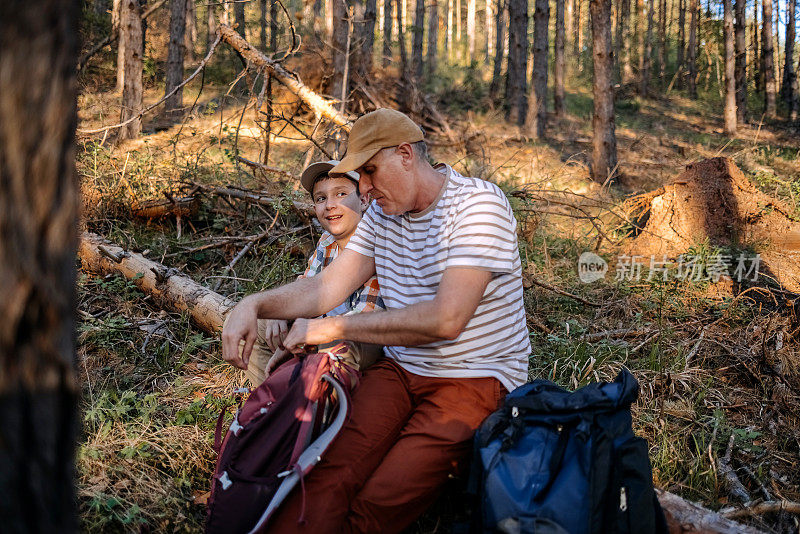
{"x": 499, "y": 24}
{"x": 458, "y": 28}
{"x": 116, "y": 20}
{"x": 691, "y": 71}
{"x": 401, "y": 41}
{"x": 448, "y": 31}
{"x": 191, "y": 30}
{"x": 536, "y": 120}
{"x": 273, "y": 27}
{"x": 489, "y": 20}
{"x": 131, "y": 27}
{"x": 640, "y": 29}
{"x": 604, "y": 144}
{"x": 729, "y": 127}
{"x": 789, "y": 81}
{"x": 211, "y": 26}
{"x": 617, "y": 20}
{"x": 433, "y": 38}
{"x": 681, "y": 42}
{"x": 560, "y": 66}
{"x": 387, "y": 33}
{"x": 366, "y": 37}
{"x": 38, "y": 216}
{"x": 418, "y": 30}
{"x": 238, "y": 15}
{"x": 341, "y": 29}
{"x": 516, "y": 84}
{"x": 769, "y": 58}
{"x": 578, "y": 23}
{"x": 262, "y": 24}
{"x": 741, "y": 61}
{"x": 625, "y": 56}
{"x": 471, "y": 9}
{"x": 757, "y": 67}
{"x": 662, "y": 41}
{"x": 644, "y": 82}
{"x": 175, "y": 52}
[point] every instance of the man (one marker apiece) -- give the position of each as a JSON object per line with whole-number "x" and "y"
{"x": 445, "y": 252}
{"x": 338, "y": 205}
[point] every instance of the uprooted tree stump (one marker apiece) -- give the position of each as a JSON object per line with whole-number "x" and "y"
{"x": 713, "y": 201}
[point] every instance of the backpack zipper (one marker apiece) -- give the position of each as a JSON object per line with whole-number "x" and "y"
{"x": 623, "y": 500}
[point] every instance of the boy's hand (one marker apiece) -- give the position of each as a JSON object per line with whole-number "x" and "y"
{"x": 312, "y": 332}
{"x": 276, "y": 332}
{"x": 239, "y": 333}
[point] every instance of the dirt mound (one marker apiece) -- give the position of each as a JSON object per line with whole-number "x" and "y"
{"x": 713, "y": 201}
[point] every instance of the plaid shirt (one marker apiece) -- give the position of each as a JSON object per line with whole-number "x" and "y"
{"x": 365, "y": 299}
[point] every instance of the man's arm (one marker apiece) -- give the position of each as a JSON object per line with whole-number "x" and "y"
{"x": 443, "y": 318}
{"x": 307, "y": 297}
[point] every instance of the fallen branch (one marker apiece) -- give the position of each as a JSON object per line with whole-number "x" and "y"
{"x": 169, "y": 287}
{"x": 171, "y": 206}
{"x": 256, "y": 197}
{"x": 527, "y": 280}
{"x": 687, "y": 517}
{"x": 266, "y": 169}
{"x": 245, "y": 249}
{"x": 764, "y": 508}
{"x": 735, "y": 486}
{"x": 321, "y": 106}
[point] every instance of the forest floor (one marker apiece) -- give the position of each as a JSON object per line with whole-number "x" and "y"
{"x": 719, "y": 370}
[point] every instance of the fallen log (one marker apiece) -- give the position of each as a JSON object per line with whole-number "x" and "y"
{"x": 687, "y": 517}
{"x": 321, "y": 106}
{"x": 169, "y": 287}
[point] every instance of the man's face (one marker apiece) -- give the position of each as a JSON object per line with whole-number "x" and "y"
{"x": 338, "y": 206}
{"x": 384, "y": 177}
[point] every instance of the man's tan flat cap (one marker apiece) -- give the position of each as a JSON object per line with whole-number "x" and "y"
{"x": 382, "y": 128}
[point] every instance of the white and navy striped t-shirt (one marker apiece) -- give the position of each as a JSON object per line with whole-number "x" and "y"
{"x": 469, "y": 225}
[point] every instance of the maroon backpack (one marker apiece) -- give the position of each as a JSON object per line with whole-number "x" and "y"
{"x": 276, "y": 438}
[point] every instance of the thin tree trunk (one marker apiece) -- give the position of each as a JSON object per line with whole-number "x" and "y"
{"x": 341, "y": 30}
{"x": 489, "y": 19}
{"x": 729, "y": 127}
{"x": 433, "y": 38}
{"x": 640, "y": 29}
{"x": 691, "y": 72}
{"x": 604, "y": 144}
{"x": 273, "y": 26}
{"x": 238, "y": 15}
{"x": 458, "y": 27}
{"x": 662, "y": 41}
{"x": 116, "y": 20}
{"x": 769, "y": 58}
{"x": 131, "y": 27}
{"x": 644, "y": 83}
{"x": 39, "y": 216}
{"x": 569, "y": 9}
{"x": 175, "y": 53}
{"x": 741, "y": 60}
{"x": 418, "y": 30}
{"x": 401, "y": 41}
{"x": 618, "y": 20}
{"x": 471, "y": 10}
{"x": 536, "y": 120}
{"x": 387, "y": 32}
{"x": 499, "y": 23}
{"x": 262, "y": 24}
{"x": 211, "y": 26}
{"x": 789, "y": 79}
{"x": 681, "y": 42}
{"x": 191, "y": 30}
{"x": 448, "y": 31}
{"x": 559, "y": 66}
{"x": 366, "y": 36}
{"x": 757, "y": 56}
{"x": 516, "y": 84}
{"x": 625, "y": 58}
{"x": 578, "y": 33}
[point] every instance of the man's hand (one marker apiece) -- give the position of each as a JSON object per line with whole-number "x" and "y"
{"x": 313, "y": 332}
{"x": 239, "y": 333}
{"x": 275, "y": 333}
{"x": 280, "y": 356}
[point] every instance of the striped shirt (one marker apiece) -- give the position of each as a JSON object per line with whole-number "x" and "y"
{"x": 365, "y": 299}
{"x": 470, "y": 224}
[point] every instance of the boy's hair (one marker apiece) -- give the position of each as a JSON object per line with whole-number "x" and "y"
{"x": 325, "y": 176}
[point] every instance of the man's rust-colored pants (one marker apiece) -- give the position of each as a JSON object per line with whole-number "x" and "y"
{"x": 406, "y": 434}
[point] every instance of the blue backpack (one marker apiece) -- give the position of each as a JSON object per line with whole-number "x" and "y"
{"x": 554, "y": 461}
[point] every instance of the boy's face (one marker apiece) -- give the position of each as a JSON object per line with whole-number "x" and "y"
{"x": 338, "y": 206}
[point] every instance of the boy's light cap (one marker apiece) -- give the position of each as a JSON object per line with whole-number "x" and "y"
{"x": 315, "y": 170}
{"x": 382, "y": 128}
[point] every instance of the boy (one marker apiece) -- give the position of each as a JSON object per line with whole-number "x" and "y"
{"x": 338, "y": 205}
